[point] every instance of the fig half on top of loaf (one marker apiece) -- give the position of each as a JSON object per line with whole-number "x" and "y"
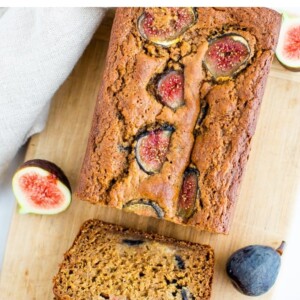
{"x": 111, "y": 262}
{"x": 177, "y": 110}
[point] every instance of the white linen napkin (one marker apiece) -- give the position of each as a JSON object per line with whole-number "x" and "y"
{"x": 38, "y": 49}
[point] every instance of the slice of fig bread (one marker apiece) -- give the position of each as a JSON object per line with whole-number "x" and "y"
{"x": 111, "y": 262}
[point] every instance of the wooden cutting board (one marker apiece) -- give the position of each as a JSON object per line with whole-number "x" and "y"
{"x": 36, "y": 244}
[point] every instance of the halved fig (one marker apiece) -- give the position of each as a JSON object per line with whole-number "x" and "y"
{"x": 288, "y": 48}
{"x": 188, "y": 194}
{"x": 144, "y": 207}
{"x": 152, "y": 148}
{"x": 226, "y": 56}
{"x": 163, "y": 26}
{"x": 170, "y": 89}
{"x": 41, "y": 187}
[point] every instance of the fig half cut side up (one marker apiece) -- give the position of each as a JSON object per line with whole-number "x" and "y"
{"x": 41, "y": 187}
{"x": 288, "y": 48}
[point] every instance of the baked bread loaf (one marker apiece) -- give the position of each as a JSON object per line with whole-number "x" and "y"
{"x": 110, "y": 262}
{"x": 177, "y": 110}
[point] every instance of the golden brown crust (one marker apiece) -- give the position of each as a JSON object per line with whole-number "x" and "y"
{"x": 218, "y": 147}
{"x": 99, "y": 260}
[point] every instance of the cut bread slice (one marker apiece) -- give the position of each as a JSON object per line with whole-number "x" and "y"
{"x": 111, "y": 262}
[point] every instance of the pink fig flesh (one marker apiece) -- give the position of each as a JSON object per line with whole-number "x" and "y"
{"x": 288, "y": 49}
{"x": 226, "y": 56}
{"x": 42, "y": 191}
{"x": 170, "y": 89}
{"x": 152, "y": 148}
{"x": 163, "y": 26}
{"x": 41, "y": 187}
{"x": 188, "y": 194}
{"x": 292, "y": 43}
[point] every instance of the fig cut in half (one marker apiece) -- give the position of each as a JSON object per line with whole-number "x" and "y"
{"x": 164, "y": 25}
{"x": 288, "y": 48}
{"x": 226, "y": 56}
{"x": 152, "y": 148}
{"x": 170, "y": 89}
{"x": 144, "y": 207}
{"x": 41, "y": 187}
{"x": 188, "y": 194}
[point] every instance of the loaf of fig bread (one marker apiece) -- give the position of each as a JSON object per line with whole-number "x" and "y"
{"x": 111, "y": 262}
{"x": 176, "y": 112}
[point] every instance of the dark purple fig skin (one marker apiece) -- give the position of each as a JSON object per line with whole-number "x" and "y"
{"x": 163, "y": 127}
{"x": 253, "y": 269}
{"x": 156, "y": 208}
{"x": 203, "y": 113}
{"x": 50, "y": 167}
{"x": 132, "y": 242}
{"x": 180, "y": 262}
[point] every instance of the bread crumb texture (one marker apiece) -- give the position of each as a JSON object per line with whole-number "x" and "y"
{"x": 110, "y": 262}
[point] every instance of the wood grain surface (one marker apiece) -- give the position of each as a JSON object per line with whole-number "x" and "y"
{"x": 36, "y": 244}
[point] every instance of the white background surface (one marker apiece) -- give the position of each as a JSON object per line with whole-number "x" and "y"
{"x": 287, "y": 285}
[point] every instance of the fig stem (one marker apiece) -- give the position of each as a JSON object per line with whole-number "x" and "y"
{"x": 281, "y": 248}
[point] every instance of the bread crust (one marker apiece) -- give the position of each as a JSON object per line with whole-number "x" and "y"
{"x": 219, "y": 150}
